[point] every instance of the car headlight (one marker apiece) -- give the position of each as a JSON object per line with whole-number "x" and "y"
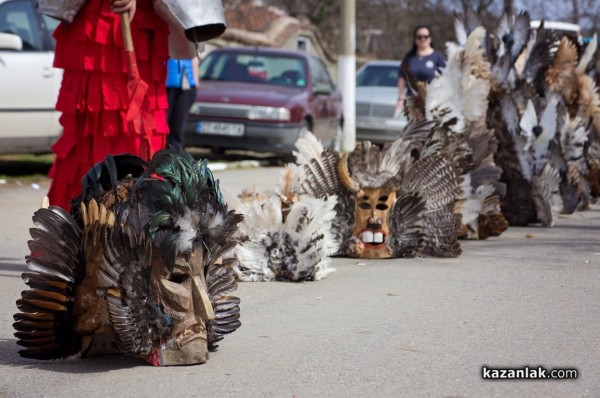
{"x": 268, "y": 113}
{"x": 195, "y": 108}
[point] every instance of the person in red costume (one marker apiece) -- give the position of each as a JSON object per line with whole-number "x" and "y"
{"x": 94, "y": 97}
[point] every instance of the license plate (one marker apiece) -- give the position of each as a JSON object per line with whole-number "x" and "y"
{"x": 217, "y": 128}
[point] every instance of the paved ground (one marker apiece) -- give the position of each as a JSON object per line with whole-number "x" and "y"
{"x": 386, "y": 328}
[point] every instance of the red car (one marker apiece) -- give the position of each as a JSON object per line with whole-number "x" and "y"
{"x": 262, "y": 100}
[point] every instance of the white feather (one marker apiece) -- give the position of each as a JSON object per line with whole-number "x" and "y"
{"x": 309, "y": 147}
{"x": 470, "y": 206}
{"x": 253, "y": 265}
{"x": 291, "y": 174}
{"x": 524, "y": 141}
{"x": 461, "y": 33}
{"x": 588, "y": 54}
{"x": 542, "y": 143}
{"x": 187, "y": 233}
{"x": 301, "y": 245}
{"x": 462, "y": 89}
{"x": 444, "y": 94}
{"x": 573, "y": 137}
{"x": 317, "y": 221}
{"x": 546, "y": 195}
{"x": 503, "y": 27}
{"x": 475, "y": 88}
{"x": 528, "y": 121}
{"x": 482, "y": 193}
{"x": 258, "y": 216}
{"x": 523, "y": 58}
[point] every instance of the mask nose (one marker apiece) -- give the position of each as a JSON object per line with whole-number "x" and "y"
{"x": 202, "y": 305}
{"x": 375, "y": 223}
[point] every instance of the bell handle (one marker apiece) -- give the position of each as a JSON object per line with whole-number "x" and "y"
{"x": 126, "y": 28}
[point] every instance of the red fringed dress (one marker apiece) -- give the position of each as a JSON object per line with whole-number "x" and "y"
{"x": 94, "y": 97}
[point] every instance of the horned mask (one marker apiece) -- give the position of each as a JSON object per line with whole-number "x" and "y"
{"x": 373, "y": 203}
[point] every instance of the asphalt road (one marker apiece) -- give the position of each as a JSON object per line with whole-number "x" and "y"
{"x": 378, "y": 328}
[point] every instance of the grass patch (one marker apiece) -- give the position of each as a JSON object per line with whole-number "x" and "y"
{"x": 22, "y": 169}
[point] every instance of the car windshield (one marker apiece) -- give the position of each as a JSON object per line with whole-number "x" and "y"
{"x": 378, "y": 75}
{"x": 249, "y": 67}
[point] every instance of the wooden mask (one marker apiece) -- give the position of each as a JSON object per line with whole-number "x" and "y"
{"x": 371, "y": 231}
{"x": 183, "y": 296}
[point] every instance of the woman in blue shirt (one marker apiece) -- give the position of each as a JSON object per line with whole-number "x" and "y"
{"x": 422, "y": 60}
{"x": 182, "y": 83}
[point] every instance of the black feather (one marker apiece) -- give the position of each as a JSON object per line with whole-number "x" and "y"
{"x": 45, "y": 324}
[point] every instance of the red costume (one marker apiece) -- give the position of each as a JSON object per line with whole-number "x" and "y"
{"x": 94, "y": 97}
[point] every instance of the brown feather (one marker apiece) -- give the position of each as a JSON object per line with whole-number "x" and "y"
{"x": 34, "y": 334}
{"x": 22, "y": 325}
{"x": 589, "y": 100}
{"x": 89, "y": 308}
{"x": 43, "y": 295}
{"x": 492, "y": 225}
{"x": 35, "y": 316}
{"x": 36, "y": 342}
{"x": 561, "y": 74}
{"x": 594, "y": 177}
{"x": 37, "y": 305}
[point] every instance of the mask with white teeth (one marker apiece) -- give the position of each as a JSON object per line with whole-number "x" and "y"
{"x": 372, "y": 229}
{"x": 371, "y": 214}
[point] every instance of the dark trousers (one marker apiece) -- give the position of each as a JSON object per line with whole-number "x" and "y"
{"x": 180, "y": 102}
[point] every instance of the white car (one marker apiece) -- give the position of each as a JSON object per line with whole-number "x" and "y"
{"x": 28, "y": 83}
{"x": 376, "y": 97}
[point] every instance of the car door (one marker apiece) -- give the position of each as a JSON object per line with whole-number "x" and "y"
{"x": 319, "y": 100}
{"x": 334, "y": 103}
{"x": 28, "y": 82}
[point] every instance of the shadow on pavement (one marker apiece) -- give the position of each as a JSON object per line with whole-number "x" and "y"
{"x": 29, "y": 164}
{"x": 266, "y": 159}
{"x": 9, "y": 355}
{"x": 13, "y": 266}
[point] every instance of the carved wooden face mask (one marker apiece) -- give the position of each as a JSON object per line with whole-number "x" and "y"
{"x": 372, "y": 229}
{"x": 183, "y": 296}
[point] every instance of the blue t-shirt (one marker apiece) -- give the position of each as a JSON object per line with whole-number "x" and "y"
{"x": 176, "y": 68}
{"x": 424, "y": 68}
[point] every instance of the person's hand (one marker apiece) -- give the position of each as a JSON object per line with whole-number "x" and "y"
{"x": 121, "y": 6}
{"x": 399, "y": 107}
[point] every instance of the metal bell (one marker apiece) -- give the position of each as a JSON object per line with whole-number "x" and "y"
{"x": 190, "y": 21}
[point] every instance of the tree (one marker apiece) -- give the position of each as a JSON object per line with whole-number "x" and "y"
{"x": 396, "y": 19}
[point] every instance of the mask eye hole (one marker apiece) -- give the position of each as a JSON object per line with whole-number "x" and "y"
{"x": 178, "y": 278}
{"x": 383, "y": 198}
{"x": 364, "y": 206}
{"x": 381, "y": 206}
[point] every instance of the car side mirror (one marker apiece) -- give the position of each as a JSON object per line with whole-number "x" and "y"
{"x": 322, "y": 89}
{"x": 9, "y": 41}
